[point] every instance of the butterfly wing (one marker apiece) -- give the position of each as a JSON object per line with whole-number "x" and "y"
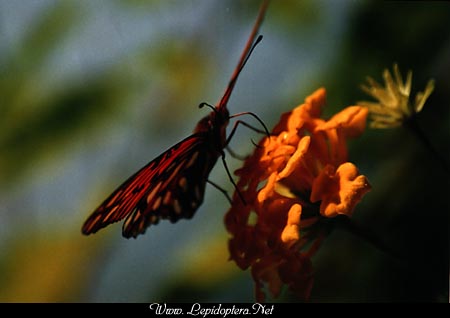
{"x": 171, "y": 187}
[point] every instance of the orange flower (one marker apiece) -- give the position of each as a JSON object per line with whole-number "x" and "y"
{"x": 293, "y": 182}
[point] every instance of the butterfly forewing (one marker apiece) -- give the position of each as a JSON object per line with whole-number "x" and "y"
{"x": 170, "y": 187}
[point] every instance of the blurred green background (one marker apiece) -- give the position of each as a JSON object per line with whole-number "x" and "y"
{"x": 90, "y": 91}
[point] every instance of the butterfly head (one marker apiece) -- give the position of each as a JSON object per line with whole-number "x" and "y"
{"x": 215, "y": 123}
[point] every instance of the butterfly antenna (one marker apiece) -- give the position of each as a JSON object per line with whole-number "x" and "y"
{"x": 207, "y": 105}
{"x": 249, "y": 47}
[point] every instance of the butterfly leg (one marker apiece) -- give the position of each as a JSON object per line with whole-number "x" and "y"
{"x": 224, "y": 192}
{"x": 234, "y": 154}
{"x": 236, "y": 124}
{"x": 231, "y": 178}
{"x": 266, "y": 131}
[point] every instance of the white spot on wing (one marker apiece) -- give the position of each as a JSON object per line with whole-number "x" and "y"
{"x": 154, "y": 191}
{"x": 127, "y": 222}
{"x": 153, "y": 219}
{"x": 173, "y": 175}
{"x": 177, "y": 206}
{"x": 197, "y": 193}
{"x": 171, "y": 166}
{"x": 113, "y": 199}
{"x": 183, "y": 183}
{"x": 136, "y": 215}
{"x": 110, "y": 213}
{"x": 192, "y": 160}
{"x": 157, "y": 203}
{"x": 167, "y": 197}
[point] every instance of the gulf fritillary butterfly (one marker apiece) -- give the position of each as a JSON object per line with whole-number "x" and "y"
{"x": 172, "y": 186}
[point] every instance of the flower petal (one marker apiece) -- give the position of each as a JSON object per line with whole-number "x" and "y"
{"x": 352, "y": 121}
{"x": 291, "y": 232}
{"x": 294, "y": 120}
{"x": 339, "y": 191}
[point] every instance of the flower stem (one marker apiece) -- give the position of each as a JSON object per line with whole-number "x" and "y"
{"x": 369, "y": 236}
{"x": 414, "y": 127}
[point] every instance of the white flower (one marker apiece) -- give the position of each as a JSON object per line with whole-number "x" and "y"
{"x": 393, "y": 106}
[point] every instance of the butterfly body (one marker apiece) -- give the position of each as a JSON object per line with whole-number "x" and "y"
{"x": 172, "y": 186}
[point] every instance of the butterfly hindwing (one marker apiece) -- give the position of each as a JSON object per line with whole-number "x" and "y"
{"x": 170, "y": 187}
{"x": 177, "y": 194}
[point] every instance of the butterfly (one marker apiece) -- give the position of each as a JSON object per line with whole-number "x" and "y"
{"x": 172, "y": 186}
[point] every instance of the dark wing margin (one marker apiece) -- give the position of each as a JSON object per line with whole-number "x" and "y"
{"x": 170, "y": 187}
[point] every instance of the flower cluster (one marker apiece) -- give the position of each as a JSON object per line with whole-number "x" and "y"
{"x": 393, "y": 106}
{"x": 296, "y": 180}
